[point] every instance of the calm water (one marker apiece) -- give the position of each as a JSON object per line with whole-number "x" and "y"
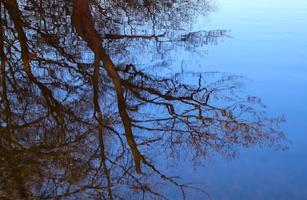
{"x": 268, "y": 45}
{"x": 122, "y": 118}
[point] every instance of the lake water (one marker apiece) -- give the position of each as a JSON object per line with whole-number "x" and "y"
{"x": 116, "y": 99}
{"x": 268, "y": 46}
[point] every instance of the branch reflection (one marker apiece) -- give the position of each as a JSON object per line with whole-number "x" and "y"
{"x": 80, "y": 119}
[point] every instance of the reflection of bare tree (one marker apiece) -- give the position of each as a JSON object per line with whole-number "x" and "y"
{"x": 75, "y": 123}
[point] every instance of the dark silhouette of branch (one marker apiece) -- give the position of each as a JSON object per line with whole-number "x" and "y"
{"x": 81, "y": 118}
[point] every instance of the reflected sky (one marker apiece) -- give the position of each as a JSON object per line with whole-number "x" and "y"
{"x": 125, "y": 105}
{"x": 268, "y": 46}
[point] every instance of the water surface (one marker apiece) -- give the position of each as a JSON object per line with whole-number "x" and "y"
{"x": 267, "y": 46}
{"x": 149, "y": 99}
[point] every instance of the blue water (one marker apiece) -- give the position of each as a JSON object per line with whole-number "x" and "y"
{"x": 268, "y": 46}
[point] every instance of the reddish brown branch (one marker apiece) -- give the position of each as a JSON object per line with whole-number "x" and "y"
{"x": 83, "y": 23}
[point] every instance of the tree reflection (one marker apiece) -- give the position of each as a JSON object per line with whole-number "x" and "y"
{"x": 79, "y": 119}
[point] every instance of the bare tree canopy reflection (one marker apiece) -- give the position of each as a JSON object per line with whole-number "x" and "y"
{"x": 79, "y": 119}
